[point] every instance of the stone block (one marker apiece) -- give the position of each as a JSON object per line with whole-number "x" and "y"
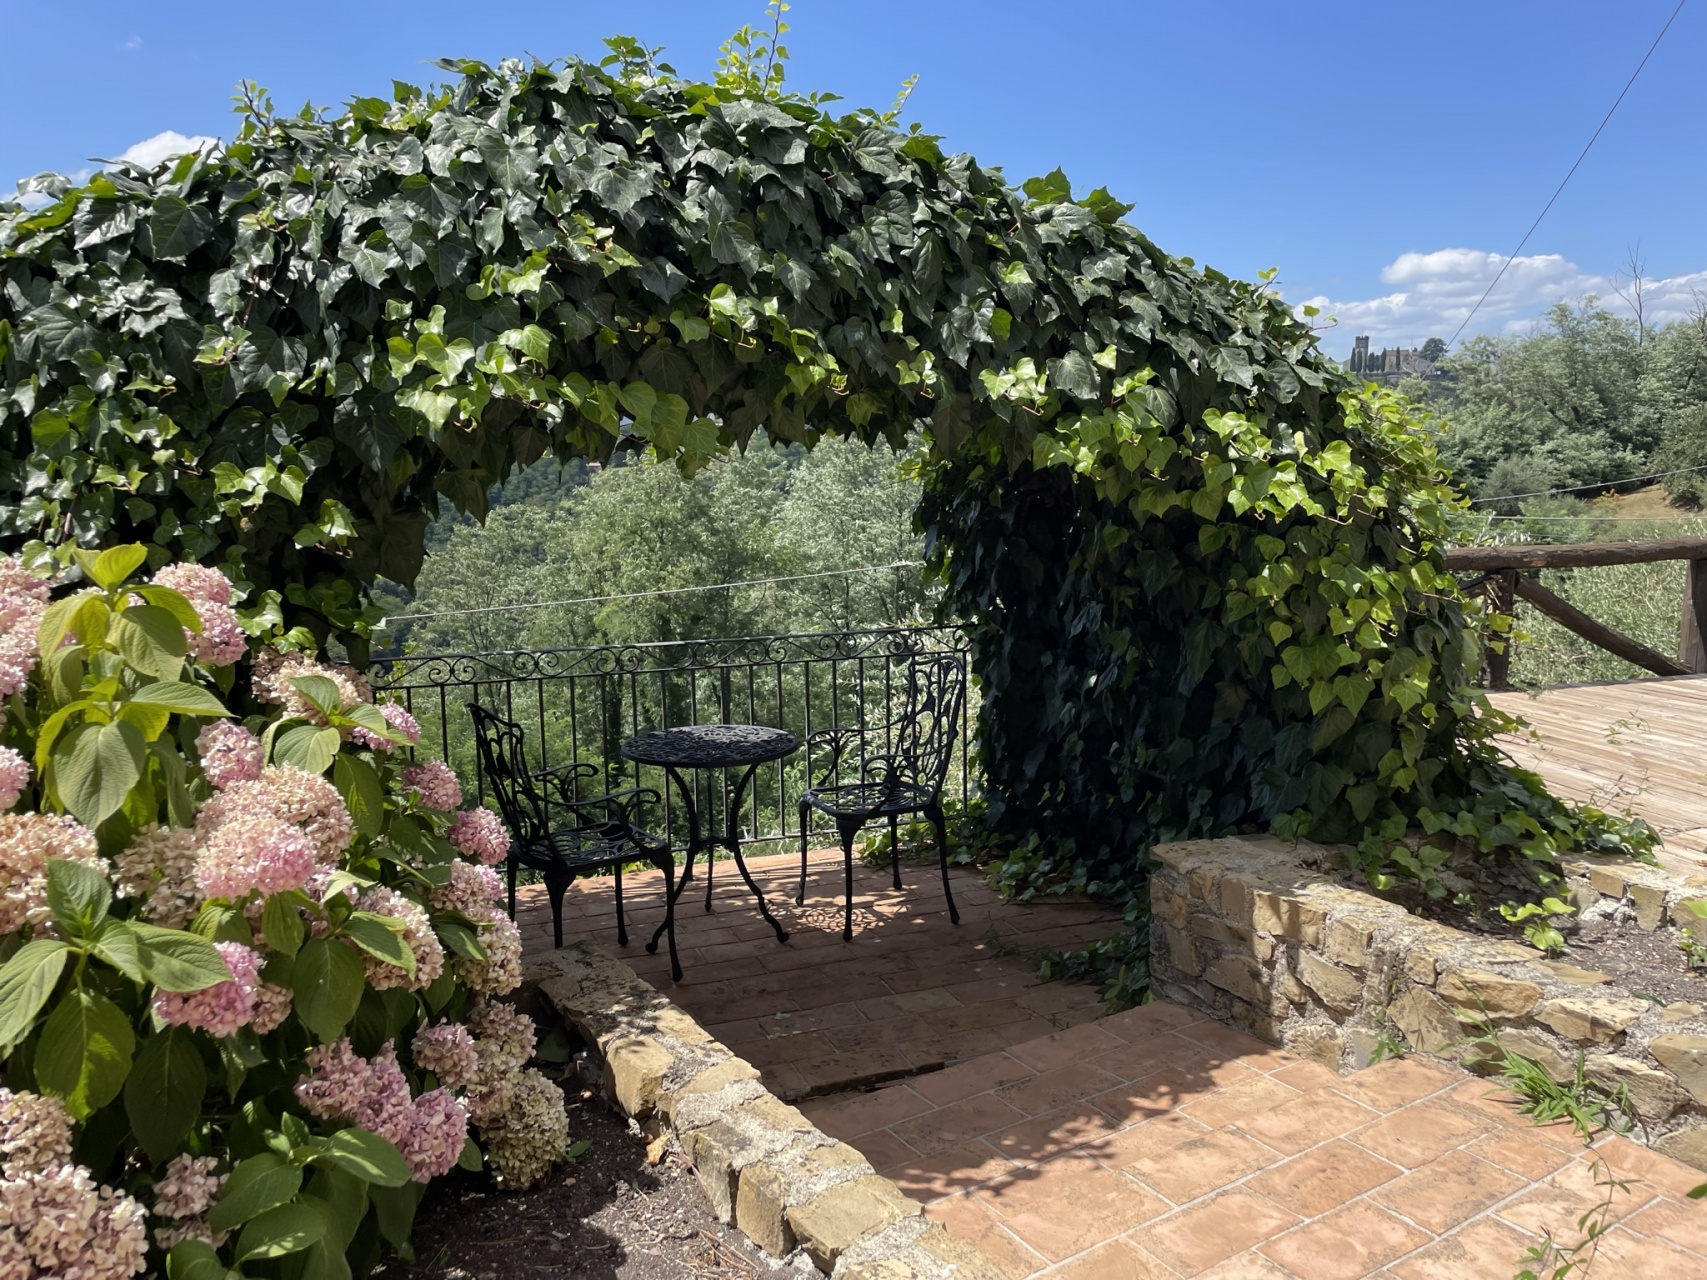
{"x": 707, "y": 1079}
{"x": 1215, "y": 929}
{"x": 1241, "y": 976}
{"x": 1204, "y": 884}
{"x": 1573, "y": 974}
{"x": 1687, "y": 1145}
{"x": 1685, "y": 1056}
{"x": 1607, "y": 881}
{"x": 1288, "y": 917}
{"x": 1256, "y": 1020}
{"x": 1288, "y": 988}
{"x": 1534, "y": 1045}
{"x": 1362, "y": 1045}
{"x": 1480, "y": 992}
{"x": 1166, "y": 902}
{"x": 1680, "y": 1011}
{"x": 1426, "y": 1021}
{"x": 1422, "y": 960}
{"x": 635, "y": 1067}
{"x": 1236, "y": 894}
{"x": 834, "y": 1219}
{"x": 1654, "y": 1094}
{"x": 672, "y": 1023}
{"x": 1591, "y": 1019}
{"x": 1346, "y": 941}
{"x": 1181, "y": 952}
{"x": 1318, "y": 1041}
{"x": 768, "y": 1187}
{"x": 1340, "y": 989}
{"x": 1650, "y": 903}
{"x": 1582, "y": 896}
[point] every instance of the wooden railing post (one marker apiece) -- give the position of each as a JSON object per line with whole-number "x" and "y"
{"x": 1502, "y": 598}
{"x": 1692, "y": 648}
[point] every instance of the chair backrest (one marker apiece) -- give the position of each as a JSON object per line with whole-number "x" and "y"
{"x": 925, "y": 733}
{"x": 504, "y": 764}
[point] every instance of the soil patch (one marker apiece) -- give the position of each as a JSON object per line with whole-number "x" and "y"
{"x": 609, "y": 1215}
{"x": 1650, "y": 965}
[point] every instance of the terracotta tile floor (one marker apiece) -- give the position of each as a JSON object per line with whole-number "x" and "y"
{"x": 1153, "y": 1144}
{"x": 910, "y": 993}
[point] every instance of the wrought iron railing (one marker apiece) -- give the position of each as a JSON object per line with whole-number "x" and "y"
{"x": 578, "y": 704}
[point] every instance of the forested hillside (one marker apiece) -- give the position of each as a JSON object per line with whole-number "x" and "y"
{"x": 836, "y": 522}
{"x": 1590, "y": 397}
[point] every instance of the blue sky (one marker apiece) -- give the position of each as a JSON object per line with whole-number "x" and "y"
{"x": 1383, "y": 157}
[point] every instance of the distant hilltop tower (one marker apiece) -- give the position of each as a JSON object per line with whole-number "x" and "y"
{"x": 1391, "y": 365}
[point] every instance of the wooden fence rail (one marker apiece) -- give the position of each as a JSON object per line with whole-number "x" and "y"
{"x": 1503, "y": 583}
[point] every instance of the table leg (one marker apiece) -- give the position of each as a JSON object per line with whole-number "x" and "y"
{"x": 733, "y": 837}
{"x": 695, "y": 844}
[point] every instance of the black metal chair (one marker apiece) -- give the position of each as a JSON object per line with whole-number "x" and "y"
{"x": 889, "y": 770}
{"x": 600, "y": 837}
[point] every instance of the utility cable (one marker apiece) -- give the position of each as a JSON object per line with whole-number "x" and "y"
{"x": 1561, "y": 187}
{"x": 641, "y": 595}
{"x": 1581, "y": 488}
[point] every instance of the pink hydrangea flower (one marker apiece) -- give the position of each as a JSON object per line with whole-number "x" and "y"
{"x": 395, "y": 716}
{"x": 229, "y": 753}
{"x": 188, "y": 1188}
{"x": 222, "y": 1009}
{"x": 343, "y": 1086}
{"x": 472, "y": 890}
{"x": 60, "y": 1222}
{"x": 35, "y": 1133}
{"x": 272, "y": 1007}
{"x": 435, "y": 783}
{"x": 14, "y": 777}
{"x": 23, "y": 601}
{"x": 305, "y": 800}
{"x": 221, "y": 640}
{"x": 501, "y": 971}
{"x": 436, "y": 1134}
{"x": 480, "y": 834}
{"x": 447, "y": 1050}
{"x": 273, "y": 675}
{"x": 251, "y": 852}
{"x": 27, "y": 841}
{"x": 417, "y": 934}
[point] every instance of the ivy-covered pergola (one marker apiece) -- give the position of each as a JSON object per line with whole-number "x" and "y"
{"x": 1200, "y": 566}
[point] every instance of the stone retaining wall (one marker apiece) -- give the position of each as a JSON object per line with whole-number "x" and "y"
{"x": 765, "y": 1167}
{"x": 1268, "y": 936}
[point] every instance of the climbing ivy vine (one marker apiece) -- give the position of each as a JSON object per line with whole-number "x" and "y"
{"x": 1201, "y": 566}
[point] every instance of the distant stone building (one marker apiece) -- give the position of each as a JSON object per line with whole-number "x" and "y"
{"x": 1392, "y": 364}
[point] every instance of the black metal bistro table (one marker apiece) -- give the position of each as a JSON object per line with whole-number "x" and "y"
{"x": 707, "y": 747}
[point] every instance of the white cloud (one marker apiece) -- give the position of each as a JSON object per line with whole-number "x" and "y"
{"x": 1435, "y": 291}
{"x": 133, "y": 44}
{"x": 163, "y": 146}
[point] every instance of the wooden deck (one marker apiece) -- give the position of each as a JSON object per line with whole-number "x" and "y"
{"x": 1638, "y": 746}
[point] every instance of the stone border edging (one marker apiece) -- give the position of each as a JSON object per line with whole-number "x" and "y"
{"x": 1273, "y": 938}
{"x": 765, "y": 1167}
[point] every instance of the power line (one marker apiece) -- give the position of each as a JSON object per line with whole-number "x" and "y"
{"x": 1583, "y": 488}
{"x": 1561, "y": 187}
{"x": 641, "y": 595}
{"x": 1607, "y": 519}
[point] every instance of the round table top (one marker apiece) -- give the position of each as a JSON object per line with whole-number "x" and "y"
{"x": 710, "y": 746}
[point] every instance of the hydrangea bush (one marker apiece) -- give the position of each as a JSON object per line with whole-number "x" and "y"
{"x": 251, "y": 973}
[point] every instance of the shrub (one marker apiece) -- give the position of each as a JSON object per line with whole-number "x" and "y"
{"x": 1683, "y": 451}
{"x": 249, "y": 998}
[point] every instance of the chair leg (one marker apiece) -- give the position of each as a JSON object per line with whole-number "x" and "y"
{"x": 512, "y": 872}
{"x": 935, "y": 815}
{"x": 621, "y": 925}
{"x": 555, "y": 888}
{"x": 849, "y": 831}
{"x": 895, "y": 848}
{"x": 710, "y": 866}
{"x": 805, "y": 817}
{"x": 667, "y": 864}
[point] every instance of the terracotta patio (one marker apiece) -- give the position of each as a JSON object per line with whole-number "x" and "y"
{"x": 911, "y": 993}
{"x": 1150, "y": 1144}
